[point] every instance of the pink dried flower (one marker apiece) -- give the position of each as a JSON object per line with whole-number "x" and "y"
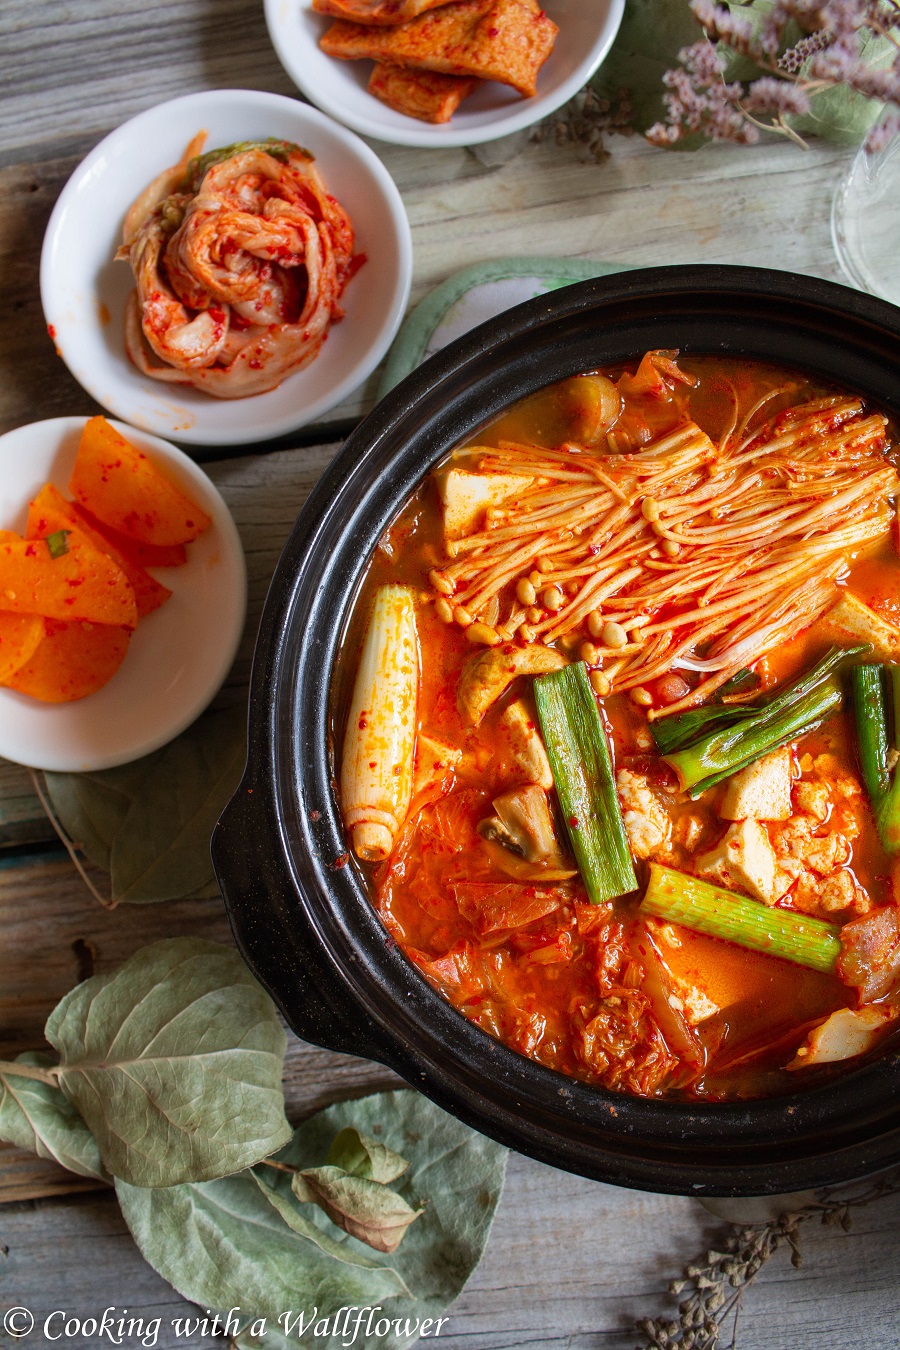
{"x": 722, "y": 25}
{"x": 771, "y": 97}
{"x": 791, "y": 60}
{"x": 830, "y": 54}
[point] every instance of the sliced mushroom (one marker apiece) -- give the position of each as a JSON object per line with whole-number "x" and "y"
{"x": 486, "y": 675}
{"x": 524, "y": 825}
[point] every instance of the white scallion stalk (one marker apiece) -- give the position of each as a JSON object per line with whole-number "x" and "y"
{"x": 379, "y": 745}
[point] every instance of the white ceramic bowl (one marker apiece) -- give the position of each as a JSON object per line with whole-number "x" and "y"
{"x": 177, "y": 657}
{"x": 587, "y": 29}
{"x": 84, "y": 292}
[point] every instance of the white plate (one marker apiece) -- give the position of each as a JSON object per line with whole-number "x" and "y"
{"x": 177, "y": 657}
{"x": 84, "y": 292}
{"x": 587, "y": 29}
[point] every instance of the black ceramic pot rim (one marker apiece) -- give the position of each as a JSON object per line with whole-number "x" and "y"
{"x": 297, "y": 903}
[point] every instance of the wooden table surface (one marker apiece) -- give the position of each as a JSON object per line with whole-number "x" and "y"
{"x": 571, "y": 1264}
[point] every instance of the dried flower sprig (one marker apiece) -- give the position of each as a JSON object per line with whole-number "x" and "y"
{"x": 712, "y": 1291}
{"x": 831, "y": 54}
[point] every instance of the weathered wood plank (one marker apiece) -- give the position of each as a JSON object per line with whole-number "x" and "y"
{"x": 571, "y": 1265}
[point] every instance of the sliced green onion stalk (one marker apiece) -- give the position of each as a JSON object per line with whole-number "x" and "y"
{"x": 719, "y": 755}
{"x": 870, "y": 712}
{"x": 583, "y": 777}
{"x": 671, "y": 733}
{"x": 876, "y": 711}
{"x": 58, "y": 543}
{"x": 679, "y": 898}
{"x": 743, "y": 681}
{"x": 763, "y": 726}
{"x": 680, "y": 730}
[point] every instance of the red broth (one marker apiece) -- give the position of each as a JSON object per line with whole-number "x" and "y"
{"x": 529, "y": 960}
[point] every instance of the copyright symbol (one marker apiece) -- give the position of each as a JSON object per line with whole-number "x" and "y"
{"x": 18, "y": 1322}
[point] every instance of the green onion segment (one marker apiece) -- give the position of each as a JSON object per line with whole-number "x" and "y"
{"x": 579, "y": 757}
{"x": 875, "y": 691}
{"x": 58, "y": 543}
{"x": 719, "y": 913}
{"x": 753, "y": 729}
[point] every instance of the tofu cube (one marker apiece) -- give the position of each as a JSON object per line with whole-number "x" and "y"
{"x": 850, "y": 621}
{"x": 762, "y": 791}
{"x": 466, "y": 496}
{"x": 743, "y": 861}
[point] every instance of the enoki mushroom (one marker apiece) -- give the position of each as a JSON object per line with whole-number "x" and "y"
{"x": 692, "y": 555}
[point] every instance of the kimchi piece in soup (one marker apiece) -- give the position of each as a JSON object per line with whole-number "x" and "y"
{"x": 619, "y": 752}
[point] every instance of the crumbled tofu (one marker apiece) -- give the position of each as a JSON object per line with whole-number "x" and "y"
{"x": 688, "y": 830}
{"x": 667, "y": 933}
{"x": 841, "y": 891}
{"x": 845, "y": 1034}
{"x": 762, "y": 791}
{"x": 813, "y": 798}
{"x": 645, "y": 819}
{"x": 850, "y": 621}
{"x": 526, "y": 748}
{"x": 696, "y": 1005}
{"x": 466, "y": 496}
{"x": 805, "y": 896}
{"x": 434, "y": 760}
{"x": 744, "y": 861}
{"x": 821, "y": 853}
{"x": 840, "y": 783}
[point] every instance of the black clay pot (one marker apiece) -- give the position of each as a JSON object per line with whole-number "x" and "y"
{"x": 299, "y": 908}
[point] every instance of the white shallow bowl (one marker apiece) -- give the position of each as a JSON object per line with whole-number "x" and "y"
{"x": 177, "y": 657}
{"x": 587, "y": 29}
{"x": 84, "y": 292}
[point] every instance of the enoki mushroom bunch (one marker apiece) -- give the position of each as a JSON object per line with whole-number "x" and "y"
{"x": 240, "y": 258}
{"x": 684, "y": 555}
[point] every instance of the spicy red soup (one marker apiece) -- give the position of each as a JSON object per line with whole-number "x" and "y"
{"x": 618, "y": 754}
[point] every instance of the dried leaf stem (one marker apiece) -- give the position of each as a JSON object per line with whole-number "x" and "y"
{"x": 49, "y": 1076}
{"x": 69, "y": 844}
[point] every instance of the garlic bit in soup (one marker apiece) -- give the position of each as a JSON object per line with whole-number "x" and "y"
{"x": 635, "y": 811}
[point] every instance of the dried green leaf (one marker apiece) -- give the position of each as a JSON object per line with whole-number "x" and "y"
{"x": 363, "y": 1156}
{"x": 91, "y": 807}
{"x": 299, "y": 1223}
{"x": 365, "y": 1209}
{"x": 174, "y": 1063}
{"x": 222, "y": 1247}
{"x": 40, "y": 1118}
{"x": 149, "y": 823}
